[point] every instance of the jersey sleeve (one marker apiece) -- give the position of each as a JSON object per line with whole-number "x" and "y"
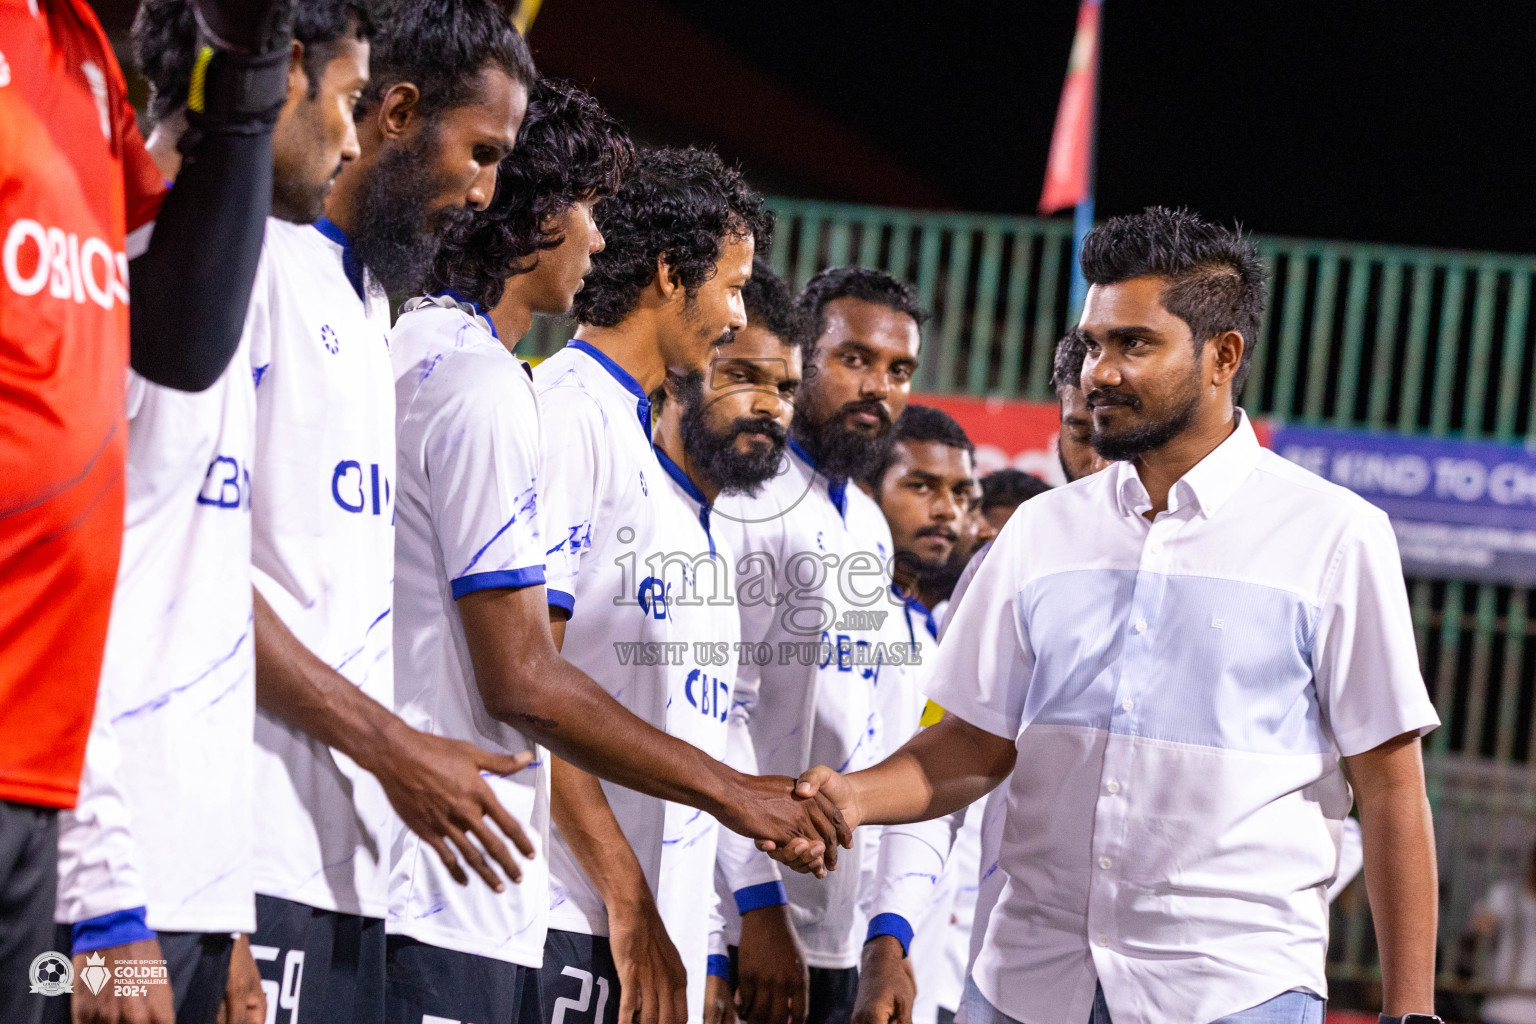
{"x": 481, "y": 449}
{"x": 575, "y": 453}
{"x": 1364, "y": 657}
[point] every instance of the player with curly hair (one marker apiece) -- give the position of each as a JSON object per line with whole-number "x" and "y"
{"x": 630, "y": 873}
{"x": 528, "y": 253}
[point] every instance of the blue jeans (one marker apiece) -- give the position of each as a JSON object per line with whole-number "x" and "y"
{"x": 1286, "y": 1008}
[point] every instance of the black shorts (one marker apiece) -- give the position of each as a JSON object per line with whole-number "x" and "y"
{"x": 29, "y": 872}
{"x": 833, "y": 991}
{"x": 579, "y": 983}
{"x": 196, "y": 962}
{"x": 428, "y": 983}
{"x": 318, "y": 965}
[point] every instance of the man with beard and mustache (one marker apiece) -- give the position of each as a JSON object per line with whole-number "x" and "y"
{"x": 926, "y": 487}
{"x": 155, "y": 862}
{"x": 927, "y": 490}
{"x": 1074, "y": 448}
{"x": 814, "y": 589}
{"x": 442, "y": 106}
{"x": 723, "y": 431}
{"x": 624, "y": 569}
{"x": 1198, "y": 659}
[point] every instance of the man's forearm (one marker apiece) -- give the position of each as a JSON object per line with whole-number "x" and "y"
{"x": 947, "y": 766}
{"x": 1401, "y": 877}
{"x": 577, "y": 720}
{"x": 579, "y": 808}
{"x": 297, "y": 687}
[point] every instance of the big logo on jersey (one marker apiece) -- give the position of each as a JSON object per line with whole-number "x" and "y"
{"x": 653, "y": 596}
{"x": 353, "y": 484}
{"x": 710, "y": 695}
{"x": 37, "y": 257}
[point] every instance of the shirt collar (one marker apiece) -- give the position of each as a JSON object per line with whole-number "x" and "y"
{"x": 1208, "y": 484}
{"x": 918, "y": 610}
{"x": 690, "y": 488}
{"x": 349, "y": 264}
{"x": 618, "y": 373}
{"x": 473, "y": 308}
{"x": 837, "y": 490}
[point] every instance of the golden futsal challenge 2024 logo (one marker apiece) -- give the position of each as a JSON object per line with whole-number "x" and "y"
{"x": 53, "y": 974}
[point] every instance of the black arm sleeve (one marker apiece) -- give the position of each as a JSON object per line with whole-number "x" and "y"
{"x": 189, "y": 291}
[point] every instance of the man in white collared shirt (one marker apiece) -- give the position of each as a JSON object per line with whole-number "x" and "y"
{"x": 1193, "y": 657}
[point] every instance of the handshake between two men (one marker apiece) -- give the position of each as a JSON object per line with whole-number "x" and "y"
{"x": 946, "y": 766}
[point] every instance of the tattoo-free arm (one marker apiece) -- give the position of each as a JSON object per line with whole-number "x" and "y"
{"x": 433, "y": 783}
{"x": 945, "y": 767}
{"x": 524, "y": 682}
{"x": 1401, "y": 878}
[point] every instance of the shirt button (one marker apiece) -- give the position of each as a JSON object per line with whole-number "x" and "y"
{"x": 1140, "y": 626}
{"x": 1126, "y": 705}
{"x": 1112, "y": 786}
{"x": 1102, "y": 939}
{"x": 1105, "y": 862}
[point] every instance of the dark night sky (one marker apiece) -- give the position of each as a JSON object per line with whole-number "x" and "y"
{"x": 1406, "y": 123}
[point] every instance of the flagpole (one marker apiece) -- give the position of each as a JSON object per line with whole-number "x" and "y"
{"x": 1082, "y": 215}
{"x": 1069, "y": 171}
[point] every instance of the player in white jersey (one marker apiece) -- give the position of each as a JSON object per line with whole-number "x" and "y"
{"x": 927, "y": 490}
{"x": 170, "y": 753}
{"x": 440, "y": 110}
{"x": 721, "y": 431}
{"x": 472, "y": 626}
{"x": 814, "y": 586}
{"x": 681, "y": 234}
{"x": 756, "y": 967}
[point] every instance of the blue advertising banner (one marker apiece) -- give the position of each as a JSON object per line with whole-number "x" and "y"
{"x": 1461, "y": 509}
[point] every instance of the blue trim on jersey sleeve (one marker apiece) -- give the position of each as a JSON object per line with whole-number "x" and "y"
{"x": 893, "y": 925}
{"x": 115, "y": 929}
{"x": 349, "y": 264}
{"x": 560, "y": 599}
{"x": 756, "y": 897}
{"x": 527, "y": 576}
{"x": 618, "y": 373}
{"x": 718, "y": 966}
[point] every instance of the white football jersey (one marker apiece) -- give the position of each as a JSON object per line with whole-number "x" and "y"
{"x": 323, "y": 550}
{"x": 468, "y": 507}
{"x": 701, "y": 686}
{"x": 630, "y": 555}
{"x": 827, "y": 681}
{"x": 164, "y": 819}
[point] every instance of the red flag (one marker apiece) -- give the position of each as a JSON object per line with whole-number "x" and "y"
{"x": 1067, "y": 171}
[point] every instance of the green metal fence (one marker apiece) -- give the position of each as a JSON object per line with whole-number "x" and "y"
{"x": 1358, "y": 336}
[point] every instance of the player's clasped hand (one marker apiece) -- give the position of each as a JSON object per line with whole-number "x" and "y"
{"x": 436, "y": 786}
{"x": 825, "y": 788}
{"x": 812, "y": 827}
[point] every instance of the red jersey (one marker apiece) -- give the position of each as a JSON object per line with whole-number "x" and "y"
{"x": 74, "y": 180}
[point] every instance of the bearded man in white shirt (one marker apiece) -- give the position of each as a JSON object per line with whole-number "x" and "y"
{"x": 1198, "y": 659}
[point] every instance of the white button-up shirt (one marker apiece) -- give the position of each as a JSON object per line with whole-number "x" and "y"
{"x": 1180, "y": 692}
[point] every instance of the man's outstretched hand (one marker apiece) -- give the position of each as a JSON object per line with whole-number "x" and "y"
{"x": 818, "y": 784}
{"x": 768, "y": 810}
